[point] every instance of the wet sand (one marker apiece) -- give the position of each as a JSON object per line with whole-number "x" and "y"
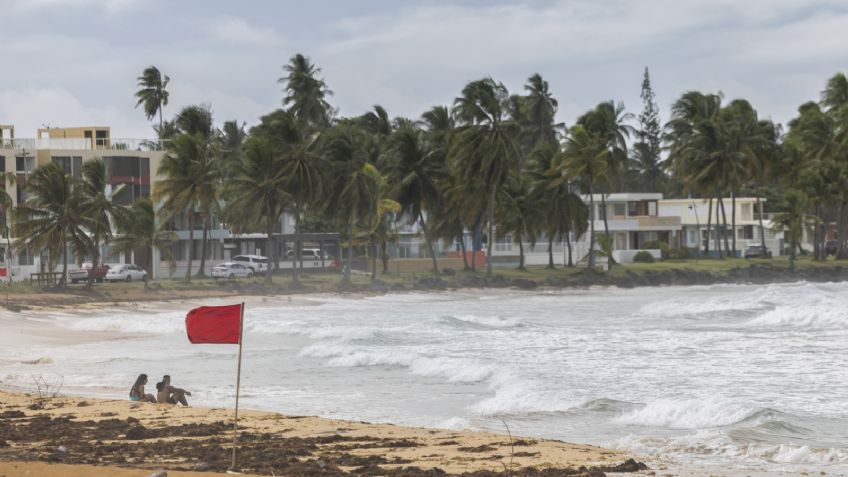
{"x": 64, "y": 436}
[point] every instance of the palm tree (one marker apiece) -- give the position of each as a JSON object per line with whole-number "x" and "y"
{"x": 608, "y": 122}
{"x": 187, "y": 172}
{"x": 563, "y": 211}
{"x": 98, "y": 209}
{"x": 306, "y": 92}
{"x": 694, "y": 144}
{"x": 585, "y": 158}
{"x": 196, "y": 120}
{"x": 7, "y": 219}
{"x": 485, "y": 148}
{"x": 256, "y": 193}
{"x": 354, "y": 190}
{"x": 519, "y": 214}
{"x": 137, "y": 228}
{"x": 415, "y": 169}
{"x": 53, "y": 217}
{"x": 541, "y": 108}
{"x": 792, "y": 217}
{"x": 152, "y": 95}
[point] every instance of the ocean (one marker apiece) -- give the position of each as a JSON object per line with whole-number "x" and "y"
{"x": 748, "y": 378}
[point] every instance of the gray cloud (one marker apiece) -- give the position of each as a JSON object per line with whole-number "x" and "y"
{"x": 64, "y": 65}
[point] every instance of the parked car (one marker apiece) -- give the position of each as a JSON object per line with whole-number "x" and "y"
{"x": 831, "y": 247}
{"x": 257, "y": 263}
{"x": 83, "y": 274}
{"x": 231, "y": 270}
{"x": 310, "y": 258}
{"x": 757, "y": 251}
{"x": 125, "y": 272}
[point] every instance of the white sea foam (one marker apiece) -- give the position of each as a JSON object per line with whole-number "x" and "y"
{"x": 164, "y": 323}
{"x": 686, "y": 414}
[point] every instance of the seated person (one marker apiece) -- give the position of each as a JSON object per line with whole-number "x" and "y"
{"x": 170, "y": 395}
{"x": 137, "y": 390}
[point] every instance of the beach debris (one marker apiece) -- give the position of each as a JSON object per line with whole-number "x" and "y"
{"x": 200, "y": 467}
{"x": 136, "y": 433}
{"x": 159, "y": 473}
{"x": 83, "y": 404}
{"x": 12, "y": 414}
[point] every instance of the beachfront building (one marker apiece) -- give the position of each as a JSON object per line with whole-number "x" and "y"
{"x": 695, "y": 214}
{"x": 634, "y": 223}
{"x": 130, "y": 165}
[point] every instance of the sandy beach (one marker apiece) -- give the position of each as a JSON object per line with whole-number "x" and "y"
{"x": 68, "y": 436}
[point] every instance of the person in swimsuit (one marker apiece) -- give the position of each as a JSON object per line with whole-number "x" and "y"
{"x": 137, "y": 390}
{"x": 168, "y": 394}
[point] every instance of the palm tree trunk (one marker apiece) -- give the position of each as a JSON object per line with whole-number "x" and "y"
{"x": 203, "y": 245}
{"x": 190, "y": 243}
{"x": 478, "y": 225}
{"x": 568, "y": 244}
{"x": 816, "y": 247}
{"x": 373, "y": 248}
{"x": 463, "y": 250}
{"x": 604, "y": 208}
{"x": 841, "y": 232}
{"x": 709, "y": 228}
{"x": 762, "y": 228}
{"x": 149, "y": 264}
{"x": 95, "y": 258}
{"x": 724, "y": 231}
{"x": 491, "y": 238}
{"x": 296, "y": 254}
{"x": 269, "y": 237}
{"x": 349, "y": 250}
{"x": 733, "y": 218}
{"x": 63, "y": 282}
{"x": 591, "y": 227}
{"x": 384, "y": 254}
{"x": 161, "y": 132}
{"x": 551, "y": 252}
{"x": 429, "y": 242}
{"x": 521, "y": 254}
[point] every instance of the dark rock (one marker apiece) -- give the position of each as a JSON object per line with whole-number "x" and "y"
{"x": 200, "y": 467}
{"x": 629, "y": 465}
{"x": 524, "y": 284}
{"x": 136, "y": 433}
{"x": 12, "y": 414}
{"x": 449, "y": 271}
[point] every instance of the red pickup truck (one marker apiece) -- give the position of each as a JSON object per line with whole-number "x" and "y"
{"x": 82, "y": 274}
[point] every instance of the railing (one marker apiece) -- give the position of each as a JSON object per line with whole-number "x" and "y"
{"x": 111, "y": 144}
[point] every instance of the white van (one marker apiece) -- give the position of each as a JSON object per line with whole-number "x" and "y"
{"x": 257, "y": 263}
{"x": 310, "y": 257}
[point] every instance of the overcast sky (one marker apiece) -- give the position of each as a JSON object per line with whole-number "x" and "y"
{"x": 75, "y": 62}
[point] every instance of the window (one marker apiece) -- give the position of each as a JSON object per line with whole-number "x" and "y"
{"x": 71, "y": 165}
{"x": 25, "y": 257}
{"x": 652, "y": 208}
{"x": 619, "y": 210}
{"x": 746, "y": 232}
{"x": 20, "y": 164}
{"x": 632, "y": 209}
{"x": 3, "y": 163}
{"x": 504, "y": 244}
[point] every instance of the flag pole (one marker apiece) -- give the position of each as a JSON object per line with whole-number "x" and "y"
{"x": 238, "y": 385}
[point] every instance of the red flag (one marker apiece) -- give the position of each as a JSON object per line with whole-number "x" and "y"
{"x": 214, "y": 324}
{"x": 2, "y": 271}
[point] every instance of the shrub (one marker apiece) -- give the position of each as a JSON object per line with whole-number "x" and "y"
{"x": 682, "y": 254}
{"x": 643, "y": 257}
{"x": 665, "y": 250}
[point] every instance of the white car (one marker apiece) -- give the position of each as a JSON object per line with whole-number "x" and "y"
{"x": 257, "y": 263}
{"x": 231, "y": 270}
{"x": 124, "y": 272}
{"x": 309, "y": 258}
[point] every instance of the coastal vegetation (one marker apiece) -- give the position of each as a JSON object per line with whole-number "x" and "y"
{"x": 493, "y": 162}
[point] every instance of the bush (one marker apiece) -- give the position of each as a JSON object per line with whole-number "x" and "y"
{"x": 643, "y": 257}
{"x": 682, "y": 254}
{"x": 664, "y": 248}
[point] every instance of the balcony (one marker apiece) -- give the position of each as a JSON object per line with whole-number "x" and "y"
{"x": 83, "y": 144}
